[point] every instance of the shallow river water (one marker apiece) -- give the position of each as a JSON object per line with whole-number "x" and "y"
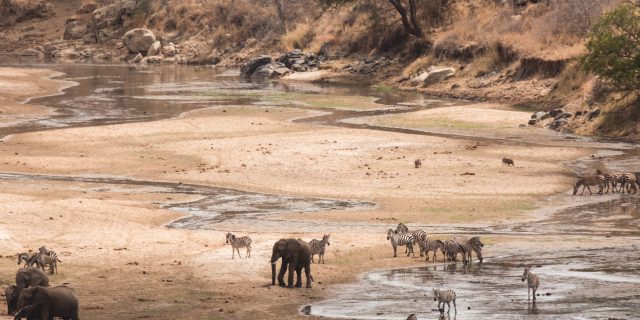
{"x": 586, "y": 284}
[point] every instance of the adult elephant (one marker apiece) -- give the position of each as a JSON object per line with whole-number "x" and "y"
{"x": 29, "y": 277}
{"x": 43, "y": 303}
{"x": 295, "y": 255}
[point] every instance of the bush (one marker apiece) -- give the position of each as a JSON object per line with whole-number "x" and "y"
{"x": 614, "y": 48}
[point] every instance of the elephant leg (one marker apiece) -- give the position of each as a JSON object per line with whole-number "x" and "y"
{"x": 298, "y": 277}
{"x": 307, "y": 273}
{"x": 312, "y": 257}
{"x": 292, "y": 270}
{"x": 283, "y": 270}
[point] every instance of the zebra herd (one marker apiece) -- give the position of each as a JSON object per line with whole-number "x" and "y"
{"x": 614, "y": 181}
{"x": 316, "y": 246}
{"x": 450, "y": 249}
{"x": 41, "y": 259}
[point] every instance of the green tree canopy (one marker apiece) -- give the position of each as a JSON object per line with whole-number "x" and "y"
{"x": 614, "y": 48}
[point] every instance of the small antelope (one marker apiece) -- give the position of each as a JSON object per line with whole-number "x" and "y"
{"x": 507, "y": 162}
{"x": 532, "y": 282}
{"x": 417, "y": 163}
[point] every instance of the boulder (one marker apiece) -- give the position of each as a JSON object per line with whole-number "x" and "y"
{"x": 558, "y": 123}
{"x": 87, "y": 8}
{"x": 138, "y": 40}
{"x": 594, "y": 114}
{"x": 540, "y": 115}
{"x": 169, "y": 50}
{"x": 74, "y": 29}
{"x": 33, "y": 53}
{"x": 137, "y": 58}
{"x": 248, "y": 68}
{"x": 152, "y": 60}
{"x": 532, "y": 122}
{"x": 155, "y": 48}
{"x": 111, "y": 15}
{"x": 563, "y": 115}
{"x": 12, "y": 12}
{"x": 68, "y": 54}
{"x": 433, "y": 74}
{"x": 555, "y": 112}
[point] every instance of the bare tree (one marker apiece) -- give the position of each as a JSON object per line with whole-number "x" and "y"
{"x": 280, "y": 6}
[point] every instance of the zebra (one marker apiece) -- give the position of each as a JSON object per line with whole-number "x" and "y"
{"x": 48, "y": 257}
{"x": 29, "y": 259}
{"x": 418, "y": 235}
{"x": 469, "y": 245}
{"x": 317, "y": 247}
{"x": 402, "y": 228}
{"x": 445, "y": 296}
{"x": 629, "y": 180}
{"x": 611, "y": 181}
{"x": 532, "y": 282}
{"x": 427, "y": 245}
{"x": 507, "y": 162}
{"x": 451, "y": 249}
{"x": 400, "y": 239}
{"x": 587, "y": 182}
{"x": 237, "y": 243}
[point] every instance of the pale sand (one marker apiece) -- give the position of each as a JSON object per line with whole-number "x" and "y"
{"x": 91, "y": 224}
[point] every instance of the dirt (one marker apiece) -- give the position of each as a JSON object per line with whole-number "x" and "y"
{"x": 257, "y": 138}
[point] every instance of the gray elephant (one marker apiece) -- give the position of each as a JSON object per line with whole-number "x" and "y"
{"x": 44, "y": 303}
{"x": 295, "y": 255}
{"x": 11, "y": 302}
{"x": 29, "y": 277}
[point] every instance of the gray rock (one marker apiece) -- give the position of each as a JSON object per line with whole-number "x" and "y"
{"x": 249, "y": 67}
{"x": 563, "y": 115}
{"x": 555, "y": 112}
{"x": 155, "y": 48}
{"x": 33, "y": 53}
{"x": 169, "y": 50}
{"x": 137, "y": 58}
{"x": 433, "y": 74}
{"x": 558, "y": 123}
{"x": 540, "y": 115}
{"x": 532, "y": 122}
{"x": 594, "y": 114}
{"x": 138, "y": 40}
{"x": 152, "y": 60}
{"x": 74, "y": 30}
{"x": 111, "y": 15}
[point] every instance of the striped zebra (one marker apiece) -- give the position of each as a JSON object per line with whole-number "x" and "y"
{"x": 587, "y": 182}
{"x": 47, "y": 257}
{"x": 400, "y": 239}
{"x": 317, "y": 247}
{"x": 427, "y": 245}
{"x": 418, "y": 235}
{"x": 445, "y": 296}
{"x": 468, "y": 245}
{"x": 29, "y": 259}
{"x": 629, "y": 181}
{"x": 450, "y": 249}
{"x": 237, "y": 243}
{"x": 532, "y": 282}
{"x": 612, "y": 179}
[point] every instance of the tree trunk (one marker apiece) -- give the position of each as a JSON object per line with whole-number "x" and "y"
{"x": 280, "y": 11}
{"x": 409, "y": 21}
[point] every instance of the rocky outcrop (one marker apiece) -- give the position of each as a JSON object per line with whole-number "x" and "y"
{"x": 138, "y": 40}
{"x": 74, "y": 29}
{"x": 113, "y": 14}
{"x": 297, "y": 60}
{"x": 249, "y": 67}
{"x": 15, "y": 11}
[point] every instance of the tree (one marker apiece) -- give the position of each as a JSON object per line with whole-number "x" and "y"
{"x": 407, "y": 9}
{"x": 614, "y": 48}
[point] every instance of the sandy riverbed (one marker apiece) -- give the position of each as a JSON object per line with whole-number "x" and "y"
{"x": 124, "y": 262}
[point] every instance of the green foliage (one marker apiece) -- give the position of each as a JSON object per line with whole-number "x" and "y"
{"x": 614, "y": 48}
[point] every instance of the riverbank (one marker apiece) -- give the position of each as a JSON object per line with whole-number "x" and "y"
{"x": 117, "y": 250}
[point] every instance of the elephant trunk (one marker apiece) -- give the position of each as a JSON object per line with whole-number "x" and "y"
{"x": 273, "y": 273}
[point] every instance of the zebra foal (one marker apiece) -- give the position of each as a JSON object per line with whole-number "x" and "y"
{"x": 445, "y": 296}
{"x": 532, "y": 282}
{"x": 587, "y": 182}
{"x": 237, "y": 243}
{"x": 402, "y": 239}
{"x": 29, "y": 259}
{"x": 427, "y": 245}
{"x": 317, "y": 247}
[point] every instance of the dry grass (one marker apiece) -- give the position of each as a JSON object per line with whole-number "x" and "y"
{"x": 299, "y": 38}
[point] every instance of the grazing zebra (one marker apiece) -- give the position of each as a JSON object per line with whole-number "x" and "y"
{"x": 532, "y": 282}
{"x": 29, "y": 259}
{"x": 400, "y": 239}
{"x": 427, "y": 245}
{"x": 417, "y": 163}
{"x": 629, "y": 180}
{"x": 611, "y": 180}
{"x": 468, "y": 245}
{"x": 48, "y": 257}
{"x": 507, "y": 162}
{"x": 445, "y": 296}
{"x": 237, "y": 243}
{"x": 587, "y": 182}
{"x": 452, "y": 249}
{"x": 317, "y": 247}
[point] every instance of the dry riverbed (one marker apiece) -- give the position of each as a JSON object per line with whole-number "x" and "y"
{"x": 126, "y": 264}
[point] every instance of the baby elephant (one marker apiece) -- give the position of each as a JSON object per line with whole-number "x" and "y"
{"x": 507, "y": 162}
{"x": 417, "y": 163}
{"x": 11, "y": 301}
{"x": 47, "y": 303}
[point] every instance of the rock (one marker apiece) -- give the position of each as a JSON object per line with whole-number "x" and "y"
{"x": 12, "y": 12}
{"x": 152, "y": 60}
{"x": 248, "y": 68}
{"x": 68, "y": 54}
{"x": 137, "y": 58}
{"x": 558, "y": 123}
{"x": 87, "y": 8}
{"x": 540, "y": 115}
{"x": 74, "y": 30}
{"x": 112, "y": 15}
{"x": 33, "y": 53}
{"x": 594, "y": 114}
{"x": 563, "y": 115}
{"x": 555, "y": 112}
{"x": 169, "y": 50}
{"x": 433, "y": 74}
{"x": 532, "y": 122}
{"x": 138, "y": 40}
{"x": 155, "y": 48}
{"x": 281, "y": 71}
